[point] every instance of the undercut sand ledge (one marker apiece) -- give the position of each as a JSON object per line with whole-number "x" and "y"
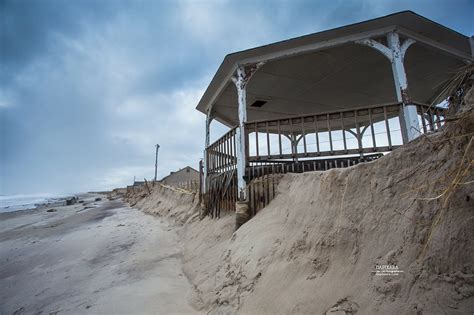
{"x": 315, "y": 247}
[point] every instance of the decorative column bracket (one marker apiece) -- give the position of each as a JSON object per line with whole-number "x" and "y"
{"x": 241, "y": 79}
{"x": 395, "y": 53}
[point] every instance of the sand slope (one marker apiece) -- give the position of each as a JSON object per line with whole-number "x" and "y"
{"x": 313, "y": 250}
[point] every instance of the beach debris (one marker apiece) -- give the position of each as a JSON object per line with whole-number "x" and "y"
{"x": 51, "y": 210}
{"x": 147, "y": 188}
{"x": 70, "y": 201}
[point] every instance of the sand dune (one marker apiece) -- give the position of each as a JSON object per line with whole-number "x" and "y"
{"x": 316, "y": 247}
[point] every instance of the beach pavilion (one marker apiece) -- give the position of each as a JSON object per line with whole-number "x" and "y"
{"x": 329, "y": 99}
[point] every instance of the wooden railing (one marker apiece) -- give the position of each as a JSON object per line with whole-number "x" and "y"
{"x": 221, "y": 179}
{"x": 430, "y": 118}
{"x": 221, "y": 155}
{"x": 189, "y": 185}
{"x": 304, "y": 143}
{"x": 348, "y": 132}
{"x": 264, "y": 177}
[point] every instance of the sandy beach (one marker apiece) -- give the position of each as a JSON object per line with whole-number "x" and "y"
{"x": 91, "y": 257}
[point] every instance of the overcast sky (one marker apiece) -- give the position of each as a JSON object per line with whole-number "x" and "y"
{"x": 87, "y": 88}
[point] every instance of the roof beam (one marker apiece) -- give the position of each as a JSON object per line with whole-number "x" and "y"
{"x": 317, "y": 46}
{"x": 221, "y": 87}
{"x": 378, "y": 46}
{"x": 434, "y": 44}
{"x": 336, "y": 42}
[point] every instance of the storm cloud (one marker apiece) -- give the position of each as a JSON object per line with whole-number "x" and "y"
{"x": 87, "y": 88}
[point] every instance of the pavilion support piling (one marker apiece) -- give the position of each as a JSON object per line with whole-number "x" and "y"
{"x": 294, "y": 147}
{"x": 206, "y": 160}
{"x": 241, "y": 78}
{"x": 395, "y": 52}
{"x": 409, "y": 119}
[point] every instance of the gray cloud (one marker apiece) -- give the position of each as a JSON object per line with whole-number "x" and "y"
{"x": 88, "y": 87}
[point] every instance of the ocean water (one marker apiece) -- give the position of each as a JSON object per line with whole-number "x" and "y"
{"x": 10, "y": 203}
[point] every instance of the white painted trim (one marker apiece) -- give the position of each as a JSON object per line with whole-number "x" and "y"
{"x": 406, "y": 44}
{"x": 340, "y": 41}
{"x": 434, "y": 44}
{"x": 317, "y": 46}
{"x": 395, "y": 53}
{"x": 293, "y": 52}
{"x": 241, "y": 79}
{"x": 408, "y": 119}
{"x": 240, "y": 84}
{"x": 376, "y": 45}
{"x": 206, "y": 145}
{"x": 221, "y": 88}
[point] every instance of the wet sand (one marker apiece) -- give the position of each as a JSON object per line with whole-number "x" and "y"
{"x": 97, "y": 257}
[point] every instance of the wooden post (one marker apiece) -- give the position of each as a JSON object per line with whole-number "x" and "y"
{"x": 147, "y": 188}
{"x": 241, "y": 79}
{"x": 206, "y": 145}
{"x": 201, "y": 180}
{"x": 395, "y": 52}
{"x": 156, "y": 162}
{"x": 409, "y": 119}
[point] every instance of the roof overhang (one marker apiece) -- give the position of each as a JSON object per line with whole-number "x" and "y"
{"x": 326, "y": 70}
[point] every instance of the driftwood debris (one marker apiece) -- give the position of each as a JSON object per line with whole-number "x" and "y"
{"x": 147, "y": 187}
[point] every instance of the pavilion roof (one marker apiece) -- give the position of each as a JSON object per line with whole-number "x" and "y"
{"x": 327, "y": 71}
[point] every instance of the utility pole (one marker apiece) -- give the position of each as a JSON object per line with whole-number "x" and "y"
{"x": 156, "y": 160}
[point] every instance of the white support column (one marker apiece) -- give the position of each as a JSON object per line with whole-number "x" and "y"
{"x": 395, "y": 52}
{"x": 206, "y": 144}
{"x": 409, "y": 119}
{"x": 241, "y": 79}
{"x": 294, "y": 146}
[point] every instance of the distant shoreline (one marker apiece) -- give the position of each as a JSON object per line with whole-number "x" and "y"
{"x": 23, "y": 202}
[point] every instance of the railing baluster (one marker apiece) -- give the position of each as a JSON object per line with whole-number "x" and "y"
{"x": 293, "y": 139}
{"x": 227, "y": 151}
{"x": 374, "y": 145}
{"x": 221, "y": 155}
{"x": 273, "y": 180}
{"x": 315, "y": 120}
{"x": 247, "y": 145}
{"x": 430, "y": 120}
{"x": 216, "y": 154}
{"x": 438, "y": 121}
{"x": 256, "y": 140}
{"x": 359, "y": 136}
{"x": 343, "y": 132}
{"x": 422, "y": 114}
{"x": 279, "y": 137}
{"x": 229, "y": 148}
{"x": 329, "y": 132}
{"x": 304, "y": 136}
{"x": 387, "y": 128}
{"x": 235, "y": 146}
{"x": 268, "y": 140}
